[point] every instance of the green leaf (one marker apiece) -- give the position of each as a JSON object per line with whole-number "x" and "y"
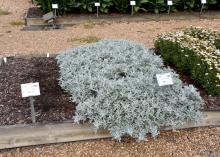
{"x": 144, "y": 1}
{"x": 104, "y": 5}
{"x": 90, "y": 9}
{"x": 156, "y": 10}
{"x": 136, "y": 9}
{"x": 84, "y": 6}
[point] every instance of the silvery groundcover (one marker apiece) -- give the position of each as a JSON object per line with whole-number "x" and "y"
{"x": 114, "y": 85}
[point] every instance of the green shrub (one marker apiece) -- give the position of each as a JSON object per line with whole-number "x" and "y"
{"x": 46, "y": 5}
{"x": 114, "y": 85}
{"x": 194, "y": 51}
{"x": 217, "y": 43}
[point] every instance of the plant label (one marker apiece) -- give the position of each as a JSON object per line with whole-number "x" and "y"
{"x": 30, "y": 89}
{"x": 5, "y": 59}
{"x": 48, "y": 55}
{"x": 97, "y": 4}
{"x": 169, "y": 2}
{"x": 203, "y": 1}
{"x": 55, "y": 6}
{"x": 132, "y": 2}
{"x": 164, "y": 79}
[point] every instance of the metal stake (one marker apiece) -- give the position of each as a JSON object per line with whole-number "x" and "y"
{"x": 202, "y": 9}
{"x": 55, "y": 13}
{"x": 33, "y": 114}
{"x": 169, "y": 10}
{"x": 1, "y": 61}
{"x": 132, "y": 10}
{"x": 97, "y": 11}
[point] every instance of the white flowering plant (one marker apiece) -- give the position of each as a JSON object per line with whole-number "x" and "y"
{"x": 195, "y": 51}
{"x": 113, "y": 83}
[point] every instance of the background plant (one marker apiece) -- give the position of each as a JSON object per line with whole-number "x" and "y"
{"x": 45, "y": 5}
{"x": 196, "y": 52}
{"x": 123, "y": 6}
{"x": 114, "y": 85}
{"x": 156, "y": 6}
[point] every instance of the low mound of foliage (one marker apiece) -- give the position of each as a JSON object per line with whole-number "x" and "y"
{"x": 195, "y": 51}
{"x": 113, "y": 83}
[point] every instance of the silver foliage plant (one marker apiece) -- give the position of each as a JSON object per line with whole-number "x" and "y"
{"x": 114, "y": 84}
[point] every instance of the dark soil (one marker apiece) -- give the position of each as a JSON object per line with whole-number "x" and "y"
{"x": 34, "y": 12}
{"x": 53, "y": 104}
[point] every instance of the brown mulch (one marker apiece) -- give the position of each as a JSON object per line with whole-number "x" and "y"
{"x": 53, "y": 104}
{"x": 34, "y": 12}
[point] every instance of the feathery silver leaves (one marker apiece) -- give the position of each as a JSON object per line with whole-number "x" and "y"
{"x": 114, "y": 84}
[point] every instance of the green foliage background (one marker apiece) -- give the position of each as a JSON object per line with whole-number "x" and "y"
{"x": 123, "y": 6}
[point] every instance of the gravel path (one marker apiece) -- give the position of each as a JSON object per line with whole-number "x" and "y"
{"x": 14, "y": 41}
{"x": 192, "y": 143}
{"x": 54, "y": 41}
{"x": 196, "y": 142}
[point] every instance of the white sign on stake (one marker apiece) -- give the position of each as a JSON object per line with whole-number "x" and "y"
{"x": 97, "y": 4}
{"x": 55, "y": 6}
{"x": 30, "y": 89}
{"x": 5, "y": 59}
{"x": 203, "y": 1}
{"x": 169, "y": 2}
{"x": 132, "y": 2}
{"x": 48, "y": 55}
{"x": 164, "y": 79}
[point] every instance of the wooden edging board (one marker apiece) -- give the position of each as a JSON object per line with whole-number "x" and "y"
{"x": 29, "y": 135}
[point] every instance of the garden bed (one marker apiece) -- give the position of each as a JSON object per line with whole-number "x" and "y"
{"x": 53, "y": 104}
{"x": 34, "y": 17}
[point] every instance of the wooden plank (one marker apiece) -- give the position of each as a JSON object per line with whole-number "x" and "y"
{"x": 27, "y": 135}
{"x": 210, "y": 119}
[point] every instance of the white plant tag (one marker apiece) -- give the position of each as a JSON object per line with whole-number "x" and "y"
{"x": 30, "y": 89}
{"x": 48, "y": 55}
{"x": 169, "y": 2}
{"x": 97, "y": 4}
{"x": 55, "y": 6}
{"x": 164, "y": 79}
{"x": 5, "y": 59}
{"x": 132, "y": 2}
{"x": 203, "y": 1}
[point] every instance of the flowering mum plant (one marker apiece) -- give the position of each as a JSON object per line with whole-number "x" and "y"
{"x": 196, "y": 51}
{"x": 114, "y": 85}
